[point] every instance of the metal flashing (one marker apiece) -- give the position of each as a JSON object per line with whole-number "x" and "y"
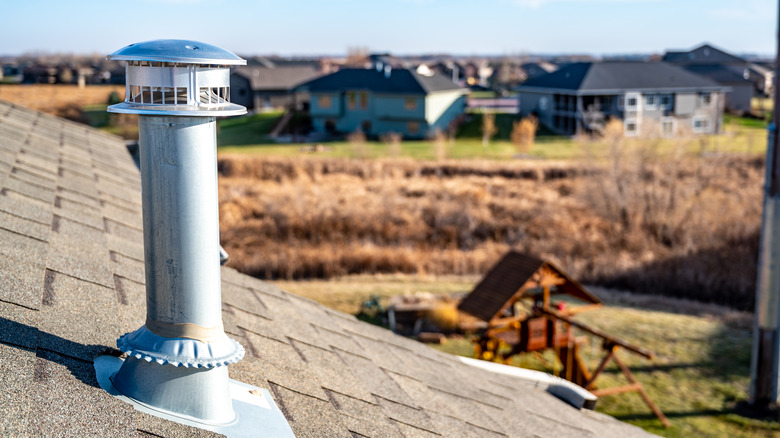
{"x": 256, "y": 413}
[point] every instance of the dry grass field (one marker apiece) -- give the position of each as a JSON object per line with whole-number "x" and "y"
{"x": 659, "y": 223}
{"x": 57, "y": 99}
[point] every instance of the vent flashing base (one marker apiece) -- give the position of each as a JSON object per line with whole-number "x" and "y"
{"x": 256, "y": 411}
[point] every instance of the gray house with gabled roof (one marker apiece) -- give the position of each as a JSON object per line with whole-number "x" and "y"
{"x": 744, "y": 78}
{"x": 72, "y": 280}
{"x": 260, "y": 87}
{"x": 383, "y": 100}
{"x": 652, "y": 98}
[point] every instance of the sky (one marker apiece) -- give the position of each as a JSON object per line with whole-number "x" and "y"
{"x": 403, "y": 27}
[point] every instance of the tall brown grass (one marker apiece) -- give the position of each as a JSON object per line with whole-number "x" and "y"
{"x": 672, "y": 225}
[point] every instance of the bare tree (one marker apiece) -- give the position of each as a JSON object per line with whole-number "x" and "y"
{"x": 357, "y": 56}
{"x": 488, "y": 127}
{"x": 440, "y": 145}
{"x": 524, "y": 133}
{"x": 357, "y": 144}
{"x": 393, "y": 142}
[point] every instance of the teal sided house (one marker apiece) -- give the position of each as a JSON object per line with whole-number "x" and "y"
{"x": 380, "y": 101}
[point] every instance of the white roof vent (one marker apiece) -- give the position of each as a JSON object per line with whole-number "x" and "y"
{"x": 177, "y": 361}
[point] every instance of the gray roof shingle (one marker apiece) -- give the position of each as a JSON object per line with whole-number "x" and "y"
{"x": 71, "y": 282}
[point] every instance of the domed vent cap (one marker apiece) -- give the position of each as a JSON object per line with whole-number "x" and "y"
{"x": 177, "y": 78}
{"x": 176, "y": 51}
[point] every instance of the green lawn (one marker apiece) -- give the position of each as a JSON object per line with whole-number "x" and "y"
{"x": 762, "y": 103}
{"x": 247, "y": 130}
{"x": 96, "y": 116}
{"x": 730, "y": 121}
{"x": 700, "y": 372}
{"x": 248, "y": 135}
{"x": 552, "y": 148}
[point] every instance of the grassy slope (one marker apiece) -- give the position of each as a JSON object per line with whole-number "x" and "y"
{"x": 247, "y": 130}
{"x": 700, "y": 371}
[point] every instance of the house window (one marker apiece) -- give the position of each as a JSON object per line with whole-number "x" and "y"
{"x": 706, "y": 99}
{"x": 667, "y": 126}
{"x": 351, "y": 100}
{"x": 410, "y": 104}
{"x": 364, "y": 100}
{"x": 632, "y": 101}
{"x": 413, "y": 128}
{"x": 701, "y": 124}
{"x": 651, "y": 101}
{"x": 665, "y": 101}
{"x": 621, "y": 102}
{"x": 323, "y": 102}
{"x": 631, "y": 127}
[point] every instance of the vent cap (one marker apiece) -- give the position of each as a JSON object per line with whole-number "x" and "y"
{"x": 176, "y": 51}
{"x": 177, "y": 78}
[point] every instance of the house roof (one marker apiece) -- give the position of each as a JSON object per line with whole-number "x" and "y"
{"x": 535, "y": 69}
{"x": 720, "y": 73}
{"x": 277, "y": 78}
{"x": 400, "y": 81}
{"x": 704, "y": 54}
{"x": 507, "y": 277}
{"x": 620, "y": 75}
{"x": 72, "y": 281}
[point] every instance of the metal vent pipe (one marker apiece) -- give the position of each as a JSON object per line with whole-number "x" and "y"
{"x": 177, "y": 361}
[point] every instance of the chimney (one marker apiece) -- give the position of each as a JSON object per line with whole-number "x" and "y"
{"x": 177, "y": 361}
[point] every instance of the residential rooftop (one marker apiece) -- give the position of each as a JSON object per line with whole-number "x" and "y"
{"x": 704, "y": 54}
{"x": 396, "y": 81}
{"x": 621, "y": 75}
{"x": 72, "y": 281}
{"x": 281, "y": 78}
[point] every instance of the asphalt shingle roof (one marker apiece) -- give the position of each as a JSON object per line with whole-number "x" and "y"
{"x": 620, "y": 75}
{"x": 722, "y": 74}
{"x": 704, "y": 54}
{"x": 277, "y": 78}
{"x": 71, "y": 282}
{"x": 401, "y": 81}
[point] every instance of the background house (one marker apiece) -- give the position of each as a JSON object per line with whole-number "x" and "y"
{"x": 536, "y": 69}
{"x": 270, "y": 84}
{"x": 383, "y": 100}
{"x": 650, "y": 98}
{"x": 744, "y": 78}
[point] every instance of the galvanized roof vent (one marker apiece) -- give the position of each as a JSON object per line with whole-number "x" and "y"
{"x": 177, "y": 361}
{"x": 177, "y": 77}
